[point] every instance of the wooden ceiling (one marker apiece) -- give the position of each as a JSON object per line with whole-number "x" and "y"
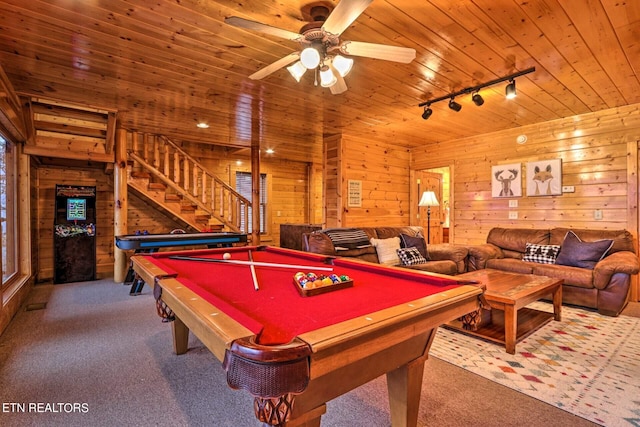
{"x": 165, "y": 65}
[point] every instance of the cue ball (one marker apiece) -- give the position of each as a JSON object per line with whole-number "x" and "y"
{"x": 226, "y": 255}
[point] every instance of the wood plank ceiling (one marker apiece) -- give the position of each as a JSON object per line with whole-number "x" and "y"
{"x": 165, "y": 65}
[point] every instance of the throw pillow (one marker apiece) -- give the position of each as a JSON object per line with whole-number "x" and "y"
{"x": 345, "y": 239}
{"x": 576, "y": 253}
{"x": 387, "y": 250}
{"x": 543, "y": 254}
{"x": 417, "y": 242}
{"x": 410, "y": 256}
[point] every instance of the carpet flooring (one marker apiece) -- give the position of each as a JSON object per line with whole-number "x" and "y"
{"x": 587, "y": 364}
{"x": 93, "y": 345}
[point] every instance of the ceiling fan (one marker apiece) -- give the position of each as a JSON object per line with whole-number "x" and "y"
{"x": 321, "y": 47}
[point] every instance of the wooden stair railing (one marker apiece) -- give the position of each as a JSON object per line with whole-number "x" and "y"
{"x": 185, "y": 176}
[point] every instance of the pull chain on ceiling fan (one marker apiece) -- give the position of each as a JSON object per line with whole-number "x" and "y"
{"x": 322, "y": 50}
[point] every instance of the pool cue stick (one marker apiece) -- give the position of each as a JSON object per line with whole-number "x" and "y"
{"x": 256, "y": 263}
{"x": 253, "y": 272}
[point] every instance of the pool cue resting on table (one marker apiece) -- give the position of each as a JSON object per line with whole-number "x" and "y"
{"x": 256, "y": 263}
{"x": 253, "y": 272}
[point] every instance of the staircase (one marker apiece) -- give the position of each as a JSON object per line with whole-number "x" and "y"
{"x": 175, "y": 182}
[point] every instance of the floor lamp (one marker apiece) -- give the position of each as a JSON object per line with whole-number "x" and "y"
{"x": 428, "y": 199}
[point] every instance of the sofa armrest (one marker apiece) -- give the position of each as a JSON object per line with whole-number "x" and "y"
{"x": 318, "y": 243}
{"x": 480, "y": 254}
{"x": 449, "y": 252}
{"x": 618, "y": 262}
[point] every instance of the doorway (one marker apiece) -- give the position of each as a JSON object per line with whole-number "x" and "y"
{"x": 435, "y": 220}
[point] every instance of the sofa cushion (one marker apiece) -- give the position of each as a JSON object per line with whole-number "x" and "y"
{"x": 511, "y": 264}
{"x": 622, "y": 239}
{"x": 387, "y": 250}
{"x": 410, "y": 256}
{"x": 441, "y": 267}
{"x": 513, "y": 241}
{"x": 572, "y": 276}
{"x": 345, "y": 239}
{"x": 542, "y": 254}
{"x": 576, "y": 253}
{"x": 417, "y": 242}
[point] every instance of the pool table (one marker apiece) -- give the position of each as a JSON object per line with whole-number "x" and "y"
{"x": 287, "y": 347}
{"x": 151, "y": 243}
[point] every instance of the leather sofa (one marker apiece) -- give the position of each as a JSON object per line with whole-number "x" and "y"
{"x": 444, "y": 258}
{"x": 605, "y": 287}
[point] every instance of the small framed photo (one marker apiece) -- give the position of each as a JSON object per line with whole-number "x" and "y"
{"x": 506, "y": 180}
{"x": 354, "y": 198}
{"x": 544, "y": 178}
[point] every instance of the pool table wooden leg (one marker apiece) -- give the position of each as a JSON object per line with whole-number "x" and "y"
{"x": 180, "y": 336}
{"x": 405, "y": 385}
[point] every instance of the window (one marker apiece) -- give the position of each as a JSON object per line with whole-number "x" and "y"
{"x": 8, "y": 168}
{"x": 243, "y": 186}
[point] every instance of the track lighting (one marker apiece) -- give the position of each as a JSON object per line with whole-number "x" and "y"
{"x": 477, "y": 99}
{"x": 427, "y": 112}
{"x": 510, "y": 92}
{"x": 454, "y": 105}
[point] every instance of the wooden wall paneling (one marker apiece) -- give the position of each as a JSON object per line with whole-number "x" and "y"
{"x": 599, "y": 159}
{"x": 383, "y": 169}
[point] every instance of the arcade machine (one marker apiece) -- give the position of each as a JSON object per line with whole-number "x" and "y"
{"x": 74, "y": 236}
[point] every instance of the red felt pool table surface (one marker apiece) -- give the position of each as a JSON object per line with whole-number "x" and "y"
{"x": 277, "y": 312}
{"x": 281, "y": 346}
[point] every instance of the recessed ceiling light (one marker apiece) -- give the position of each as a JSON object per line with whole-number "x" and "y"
{"x": 270, "y": 151}
{"x": 203, "y": 125}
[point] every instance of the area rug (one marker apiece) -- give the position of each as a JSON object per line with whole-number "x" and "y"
{"x": 587, "y": 364}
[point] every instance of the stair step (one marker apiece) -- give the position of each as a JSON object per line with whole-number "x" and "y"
{"x": 157, "y": 186}
{"x": 172, "y": 197}
{"x": 140, "y": 174}
{"x": 188, "y": 208}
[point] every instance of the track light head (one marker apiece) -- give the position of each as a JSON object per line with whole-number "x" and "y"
{"x": 427, "y": 112}
{"x": 477, "y": 99}
{"x": 454, "y": 105}
{"x": 510, "y": 90}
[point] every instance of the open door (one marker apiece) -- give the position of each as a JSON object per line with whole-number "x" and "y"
{"x": 431, "y": 222}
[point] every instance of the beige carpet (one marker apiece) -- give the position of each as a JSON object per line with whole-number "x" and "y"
{"x": 96, "y": 346}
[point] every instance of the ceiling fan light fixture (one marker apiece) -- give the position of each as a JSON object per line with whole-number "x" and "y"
{"x": 310, "y": 58}
{"x": 454, "y": 105}
{"x": 297, "y": 70}
{"x": 342, "y": 65}
{"x": 510, "y": 90}
{"x": 477, "y": 99}
{"x": 327, "y": 78}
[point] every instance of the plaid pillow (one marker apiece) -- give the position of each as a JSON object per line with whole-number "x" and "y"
{"x": 542, "y": 254}
{"x": 410, "y": 256}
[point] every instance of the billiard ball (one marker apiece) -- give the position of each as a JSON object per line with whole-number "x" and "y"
{"x": 226, "y": 255}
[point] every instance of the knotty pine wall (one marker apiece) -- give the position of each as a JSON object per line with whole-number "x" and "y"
{"x": 383, "y": 169}
{"x": 288, "y": 182}
{"x": 288, "y": 194}
{"x": 599, "y": 153}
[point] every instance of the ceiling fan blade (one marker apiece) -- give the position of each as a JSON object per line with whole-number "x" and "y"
{"x": 340, "y": 86}
{"x": 379, "y": 51}
{"x": 272, "y": 68}
{"x": 343, "y": 15}
{"x": 263, "y": 28}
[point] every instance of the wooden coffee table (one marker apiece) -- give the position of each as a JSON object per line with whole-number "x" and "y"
{"x": 509, "y": 321}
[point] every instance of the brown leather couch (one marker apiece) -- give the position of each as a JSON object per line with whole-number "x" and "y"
{"x": 605, "y": 288}
{"x": 445, "y": 258}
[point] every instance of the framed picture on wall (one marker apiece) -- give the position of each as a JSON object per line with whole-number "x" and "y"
{"x": 544, "y": 178}
{"x": 506, "y": 180}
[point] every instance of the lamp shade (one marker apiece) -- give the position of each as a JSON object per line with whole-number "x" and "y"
{"x": 342, "y": 64}
{"x": 310, "y": 58}
{"x": 297, "y": 70}
{"x": 428, "y": 199}
{"x": 327, "y": 78}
